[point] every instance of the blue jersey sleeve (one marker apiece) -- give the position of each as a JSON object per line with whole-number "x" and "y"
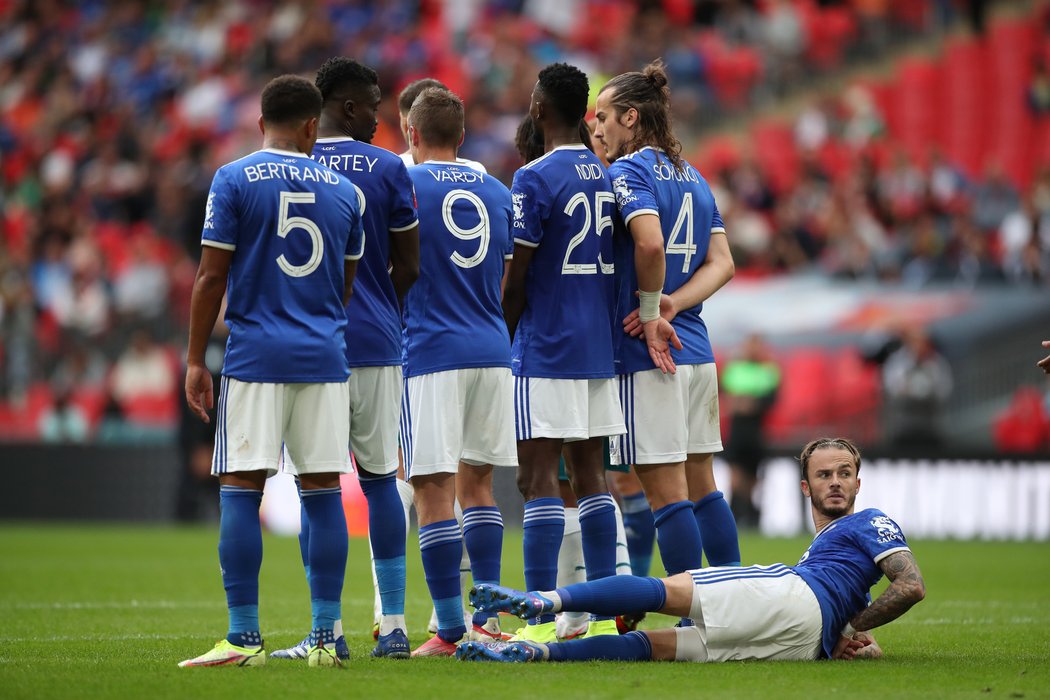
{"x": 531, "y": 206}
{"x": 716, "y": 221}
{"x": 355, "y": 243}
{"x": 880, "y": 536}
{"x": 403, "y": 215}
{"x": 633, "y": 190}
{"x": 220, "y": 214}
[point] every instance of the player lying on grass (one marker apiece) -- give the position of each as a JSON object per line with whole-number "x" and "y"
{"x": 818, "y": 608}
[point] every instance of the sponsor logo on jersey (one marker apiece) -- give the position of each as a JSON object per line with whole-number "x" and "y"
{"x": 209, "y": 211}
{"x": 887, "y": 530}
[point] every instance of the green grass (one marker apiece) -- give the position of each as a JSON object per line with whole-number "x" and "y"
{"x": 106, "y": 611}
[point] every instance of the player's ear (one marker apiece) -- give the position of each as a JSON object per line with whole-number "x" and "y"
{"x": 462, "y": 135}
{"x": 348, "y": 108}
{"x": 413, "y": 136}
{"x": 629, "y": 118}
{"x": 262, "y": 127}
{"x": 805, "y": 488}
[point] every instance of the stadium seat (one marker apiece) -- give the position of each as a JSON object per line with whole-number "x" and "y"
{"x": 1024, "y": 425}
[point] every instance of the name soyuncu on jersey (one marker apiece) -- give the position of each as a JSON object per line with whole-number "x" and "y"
{"x": 453, "y": 315}
{"x": 645, "y": 182}
{"x": 291, "y": 223}
{"x": 563, "y": 207}
{"x": 384, "y": 191}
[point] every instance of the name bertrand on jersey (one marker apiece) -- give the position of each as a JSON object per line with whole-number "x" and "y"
{"x": 287, "y": 171}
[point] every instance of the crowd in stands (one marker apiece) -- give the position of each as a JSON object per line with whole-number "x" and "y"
{"x": 113, "y": 117}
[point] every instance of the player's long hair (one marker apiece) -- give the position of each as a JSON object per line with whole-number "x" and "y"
{"x": 647, "y": 92}
{"x": 825, "y": 444}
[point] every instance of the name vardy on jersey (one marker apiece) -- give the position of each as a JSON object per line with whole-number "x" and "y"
{"x": 287, "y": 171}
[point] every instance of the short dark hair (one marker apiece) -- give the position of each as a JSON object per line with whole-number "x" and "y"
{"x": 437, "y": 114}
{"x": 825, "y": 443}
{"x": 412, "y": 90}
{"x": 566, "y": 89}
{"x": 340, "y": 74}
{"x": 527, "y": 141}
{"x": 290, "y": 99}
{"x": 647, "y": 92}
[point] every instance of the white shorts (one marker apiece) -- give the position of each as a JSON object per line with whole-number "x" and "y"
{"x": 751, "y": 612}
{"x": 375, "y": 407}
{"x": 254, "y": 418}
{"x": 459, "y": 414}
{"x": 668, "y": 416}
{"x": 570, "y": 409}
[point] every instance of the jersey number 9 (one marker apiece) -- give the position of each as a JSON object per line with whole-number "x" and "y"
{"x": 480, "y": 232}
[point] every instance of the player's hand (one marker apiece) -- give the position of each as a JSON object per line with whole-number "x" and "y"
{"x": 846, "y": 647}
{"x": 660, "y": 337}
{"x": 1045, "y": 362}
{"x": 632, "y": 324}
{"x": 199, "y": 391}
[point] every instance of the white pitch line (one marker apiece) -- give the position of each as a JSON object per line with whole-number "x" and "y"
{"x": 972, "y": 621}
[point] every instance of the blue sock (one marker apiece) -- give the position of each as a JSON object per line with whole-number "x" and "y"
{"x": 441, "y": 547}
{"x": 598, "y": 532}
{"x": 483, "y": 538}
{"x": 641, "y": 531}
{"x": 387, "y": 535}
{"x": 678, "y": 537}
{"x": 614, "y": 595}
{"x": 718, "y": 530}
{"x": 328, "y": 546}
{"x": 544, "y": 526}
{"x": 633, "y": 646}
{"x": 240, "y": 556}
{"x": 304, "y": 532}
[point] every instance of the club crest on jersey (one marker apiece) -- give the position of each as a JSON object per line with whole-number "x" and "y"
{"x": 623, "y": 192}
{"x": 887, "y": 529}
{"x": 517, "y": 199}
{"x": 209, "y": 211}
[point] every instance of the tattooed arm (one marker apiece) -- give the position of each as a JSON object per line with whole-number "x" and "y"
{"x": 905, "y": 590}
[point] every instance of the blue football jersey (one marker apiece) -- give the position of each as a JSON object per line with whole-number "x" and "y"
{"x": 290, "y": 223}
{"x": 453, "y": 316}
{"x": 563, "y": 207}
{"x": 384, "y": 191}
{"x": 842, "y": 564}
{"x": 645, "y": 182}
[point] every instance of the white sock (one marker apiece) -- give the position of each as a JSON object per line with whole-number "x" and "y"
{"x": 389, "y": 623}
{"x": 571, "y": 568}
{"x": 623, "y": 557}
{"x": 337, "y": 629}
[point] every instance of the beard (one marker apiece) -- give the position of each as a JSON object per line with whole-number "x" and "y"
{"x": 837, "y": 509}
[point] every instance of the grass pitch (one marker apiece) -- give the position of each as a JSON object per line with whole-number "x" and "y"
{"x": 108, "y": 611}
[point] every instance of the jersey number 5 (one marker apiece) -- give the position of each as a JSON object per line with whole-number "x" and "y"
{"x": 286, "y": 224}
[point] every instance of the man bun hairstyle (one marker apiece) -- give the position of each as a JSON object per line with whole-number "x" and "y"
{"x": 411, "y": 92}
{"x": 341, "y": 75}
{"x": 437, "y": 115}
{"x": 565, "y": 89}
{"x": 290, "y": 100}
{"x": 647, "y": 92}
{"x": 825, "y": 443}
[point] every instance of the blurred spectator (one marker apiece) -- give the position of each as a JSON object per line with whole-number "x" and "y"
{"x": 64, "y": 421}
{"x": 140, "y": 290}
{"x": 994, "y": 199}
{"x": 1039, "y": 90}
{"x": 749, "y": 384}
{"x": 144, "y": 369}
{"x": 1024, "y": 425}
{"x": 917, "y": 382}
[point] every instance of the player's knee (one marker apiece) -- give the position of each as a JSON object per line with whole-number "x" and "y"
{"x": 688, "y": 644}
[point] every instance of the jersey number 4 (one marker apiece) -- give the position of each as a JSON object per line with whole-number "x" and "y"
{"x": 684, "y": 221}
{"x": 604, "y": 221}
